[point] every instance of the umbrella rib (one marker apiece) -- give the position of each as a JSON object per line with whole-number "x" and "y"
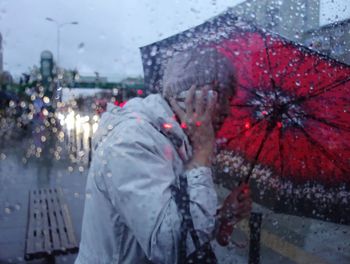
{"x": 243, "y": 131}
{"x": 281, "y": 149}
{"x": 324, "y": 90}
{"x": 328, "y": 123}
{"x": 267, "y": 132}
{"x": 319, "y": 145}
{"x": 245, "y": 88}
{"x": 241, "y": 105}
{"x": 330, "y": 87}
{"x": 252, "y": 90}
{"x": 270, "y": 67}
{"x": 295, "y": 69}
{"x": 325, "y": 152}
{"x": 273, "y": 83}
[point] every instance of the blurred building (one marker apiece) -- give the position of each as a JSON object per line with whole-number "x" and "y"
{"x": 46, "y": 66}
{"x": 1, "y": 58}
{"x": 289, "y": 18}
{"x": 6, "y": 80}
{"x": 131, "y": 87}
{"x": 299, "y": 20}
{"x": 332, "y": 40}
{"x": 93, "y": 79}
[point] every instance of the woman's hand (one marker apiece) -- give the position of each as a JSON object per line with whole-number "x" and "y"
{"x": 196, "y": 121}
{"x": 236, "y": 207}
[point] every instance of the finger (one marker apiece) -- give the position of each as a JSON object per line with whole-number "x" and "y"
{"x": 247, "y": 208}
{"x": 240, "y": 208}
{"x": 189, "y": 99}
{"x": 204, "y": 103}
{"x": 245, "y": 203}
{"x": 200, "y": 102}
{"x": 235, "y": 192}
{"x": 243, "y": 207}
{"x": 210, "y": 107}
{"x": 244, "y": 191}
{"x": 244, "y": 196}
{"x": 244, "y": 187}
{"x": 243, "y": 214}
{"x": 177, "y": 109}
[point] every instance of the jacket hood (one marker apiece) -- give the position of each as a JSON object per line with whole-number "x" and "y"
{"x": 152, "y": 109}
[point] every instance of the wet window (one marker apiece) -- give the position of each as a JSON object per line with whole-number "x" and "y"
{"x": 194, "y": 131}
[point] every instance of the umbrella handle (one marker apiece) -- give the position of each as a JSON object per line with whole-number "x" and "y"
{"x": 246, "y": 182}
{"x": 226, "y": 226}
{"x": 224, "y": 234}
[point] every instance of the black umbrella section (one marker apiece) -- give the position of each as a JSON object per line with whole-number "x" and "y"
{"x": 289, "y": 130}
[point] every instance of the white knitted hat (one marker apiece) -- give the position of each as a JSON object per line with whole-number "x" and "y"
{"x": 198, "y": 66}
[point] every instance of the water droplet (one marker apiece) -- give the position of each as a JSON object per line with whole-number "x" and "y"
{"x": 81, "y": 47}
{"x": 193, "y": 10}
{"x": 153, "y": 51}
{"x": 88, "y": 195}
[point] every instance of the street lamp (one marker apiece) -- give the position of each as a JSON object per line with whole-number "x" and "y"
{"x": 58, "y": 27}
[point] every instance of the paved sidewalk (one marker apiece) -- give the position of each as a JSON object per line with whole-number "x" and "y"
{"x": 16, "y": 179}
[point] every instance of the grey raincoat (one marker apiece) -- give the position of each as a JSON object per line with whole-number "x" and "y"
{"x": 130, "y": 215}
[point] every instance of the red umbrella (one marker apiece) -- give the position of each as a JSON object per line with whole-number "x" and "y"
{"x": 291, "y": 111}
{"x": 290, "y": 125}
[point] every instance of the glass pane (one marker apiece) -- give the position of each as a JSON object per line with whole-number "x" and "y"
{"x": 105, "y": 148}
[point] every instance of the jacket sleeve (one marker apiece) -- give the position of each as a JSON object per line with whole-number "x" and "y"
{"x": 138, "y": 177}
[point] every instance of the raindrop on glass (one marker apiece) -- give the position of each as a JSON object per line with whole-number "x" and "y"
{"x": 81, "y": 47}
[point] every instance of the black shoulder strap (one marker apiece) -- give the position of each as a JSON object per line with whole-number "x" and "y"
{"x": 183, "y": 203}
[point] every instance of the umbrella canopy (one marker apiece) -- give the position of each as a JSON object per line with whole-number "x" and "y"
{"x": 289, "y": 131}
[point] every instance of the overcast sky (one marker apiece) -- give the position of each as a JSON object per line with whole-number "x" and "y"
{"x": 109, "y": 31}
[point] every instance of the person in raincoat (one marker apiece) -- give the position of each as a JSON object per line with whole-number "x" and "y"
{"x": 140, "y": 151}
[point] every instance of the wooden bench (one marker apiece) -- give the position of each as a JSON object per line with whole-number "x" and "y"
{"x": 49, "y": 227}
